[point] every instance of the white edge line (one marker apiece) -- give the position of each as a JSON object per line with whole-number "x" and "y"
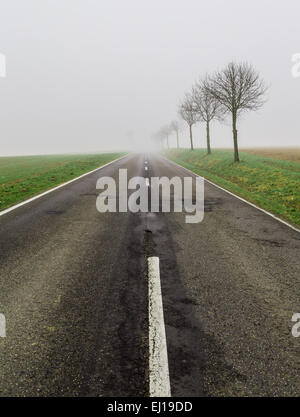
{"x": 57, "y": 187}
{"x": 240, "y": 198}
{"x": 159, "y": 379}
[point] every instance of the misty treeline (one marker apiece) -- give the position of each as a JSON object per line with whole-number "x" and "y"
{"x": 229, "y": 92}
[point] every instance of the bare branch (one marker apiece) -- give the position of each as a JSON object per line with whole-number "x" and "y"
{"x": 187, "y": 111}
{"x": 207, "y": 107}
{"x": 237, "y": 88}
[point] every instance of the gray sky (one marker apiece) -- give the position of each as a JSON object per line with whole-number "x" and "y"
{"x": 91, "y": 75}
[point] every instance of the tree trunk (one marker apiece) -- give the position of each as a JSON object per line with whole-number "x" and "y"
{"x": 168, "y": 142}
{"x": 177, "y": 140}
{"x": 191, "y": 138}
{"x": 208, "y": 138}
{"x": 235, "y": 138}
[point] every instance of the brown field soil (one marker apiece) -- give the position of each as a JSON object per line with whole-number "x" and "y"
{"x": 288, "y": 154}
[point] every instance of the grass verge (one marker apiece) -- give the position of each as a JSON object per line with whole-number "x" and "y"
{"x": 270, "y": 183}
{"x": 23, "y": 177}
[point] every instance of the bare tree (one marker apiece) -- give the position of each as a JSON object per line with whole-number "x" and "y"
{"x": 237, "y": 88}
{"x": 164, "y": 133}
{"x": 158, "y": 139}
{"x": 188, "y": 114}
{"x": 175, "y": 127}
{"x": 207, "y": 107}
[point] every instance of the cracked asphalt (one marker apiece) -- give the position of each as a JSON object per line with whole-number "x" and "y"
{"x": 74, "y": 292}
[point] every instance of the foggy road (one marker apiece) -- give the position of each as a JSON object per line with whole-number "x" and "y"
{"x": 74, "y": 292}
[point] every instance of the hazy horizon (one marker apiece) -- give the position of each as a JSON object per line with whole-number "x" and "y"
{"x": 85, "y": 76}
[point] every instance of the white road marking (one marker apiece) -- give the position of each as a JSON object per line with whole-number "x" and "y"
{"x": 159, "y": 379}
{"x": 56, "y": 188}
{"x": 146, "y": 168}
{"x": 147, "y": 182}
{"x": 234, "y": 195}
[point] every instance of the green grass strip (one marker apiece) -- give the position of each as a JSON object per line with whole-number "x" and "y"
{"x": 270, "y": 183}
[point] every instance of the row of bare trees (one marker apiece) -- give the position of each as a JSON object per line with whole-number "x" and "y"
{"x": 231, "y": 91}
{"x": 164, "y": 133}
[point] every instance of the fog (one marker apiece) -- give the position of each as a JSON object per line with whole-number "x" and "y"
{"x": 92, "y": 75}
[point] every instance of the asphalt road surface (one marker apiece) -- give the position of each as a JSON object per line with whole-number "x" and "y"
{"x": 74, "y": 292}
